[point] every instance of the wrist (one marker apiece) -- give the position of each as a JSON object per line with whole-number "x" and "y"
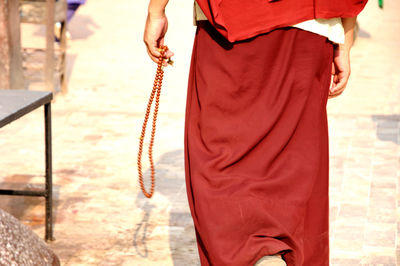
{"x": 156, "y": 12}
{"x": 344, "y": 47}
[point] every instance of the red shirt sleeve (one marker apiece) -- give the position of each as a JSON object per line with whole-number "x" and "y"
{"x": 239, "y": 20}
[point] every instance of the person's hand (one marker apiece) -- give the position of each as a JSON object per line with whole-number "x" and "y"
{"x": 340, "y": 71}
{"x": 154, "y": 32}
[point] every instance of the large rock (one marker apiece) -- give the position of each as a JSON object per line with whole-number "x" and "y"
{"x": 21, "y": 246}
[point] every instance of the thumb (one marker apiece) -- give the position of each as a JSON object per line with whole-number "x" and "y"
{"x": 153, "y": 49}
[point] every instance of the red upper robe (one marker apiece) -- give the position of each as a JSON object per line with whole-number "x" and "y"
{"x": 242, "y": 19}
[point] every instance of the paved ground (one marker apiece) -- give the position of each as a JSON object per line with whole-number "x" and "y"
{"x": 101, "y": 217}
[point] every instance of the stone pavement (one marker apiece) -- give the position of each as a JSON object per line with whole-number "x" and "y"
{"x": 101, "y": 216}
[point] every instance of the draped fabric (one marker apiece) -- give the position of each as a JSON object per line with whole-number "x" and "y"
{"x": 256, "y": 147}
{"x": 239, "y": 20}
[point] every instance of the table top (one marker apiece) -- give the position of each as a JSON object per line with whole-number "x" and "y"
{"x": 17, "y": 103}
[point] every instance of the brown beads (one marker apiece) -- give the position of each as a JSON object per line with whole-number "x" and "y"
{"x": 155, "y": 92}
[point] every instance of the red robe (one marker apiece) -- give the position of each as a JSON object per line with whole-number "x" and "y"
{"x": 238, "y": 19}
{"x": 256, "y": 132}
{"x": 256, "y": 147}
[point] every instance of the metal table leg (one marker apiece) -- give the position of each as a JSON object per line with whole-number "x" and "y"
{"x": 49, "y": 174}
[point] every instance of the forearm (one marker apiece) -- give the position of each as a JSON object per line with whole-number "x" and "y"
{"x": 157, "y": 7}
{"x": 348, "y": 25}
{"x": 155, "y": 30}
{"x": 341, "y": 59}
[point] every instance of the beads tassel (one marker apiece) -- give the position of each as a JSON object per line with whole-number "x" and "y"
{"x": 155, "y": 93}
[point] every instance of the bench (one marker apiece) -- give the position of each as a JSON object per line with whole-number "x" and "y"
{"x": 13, "y": 105}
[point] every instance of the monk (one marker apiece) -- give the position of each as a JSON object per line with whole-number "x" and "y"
{"x": 256, "y": 132}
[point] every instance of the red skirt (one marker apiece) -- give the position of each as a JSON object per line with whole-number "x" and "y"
{"x": 256, "y": 147}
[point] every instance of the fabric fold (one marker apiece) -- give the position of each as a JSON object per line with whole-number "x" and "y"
{"x": 256, "y": 147}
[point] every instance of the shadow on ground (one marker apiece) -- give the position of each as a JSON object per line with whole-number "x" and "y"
{"x": 19, "y": 206}
{"x": 170, "y": 183}
{"x": 82, "y": 27}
